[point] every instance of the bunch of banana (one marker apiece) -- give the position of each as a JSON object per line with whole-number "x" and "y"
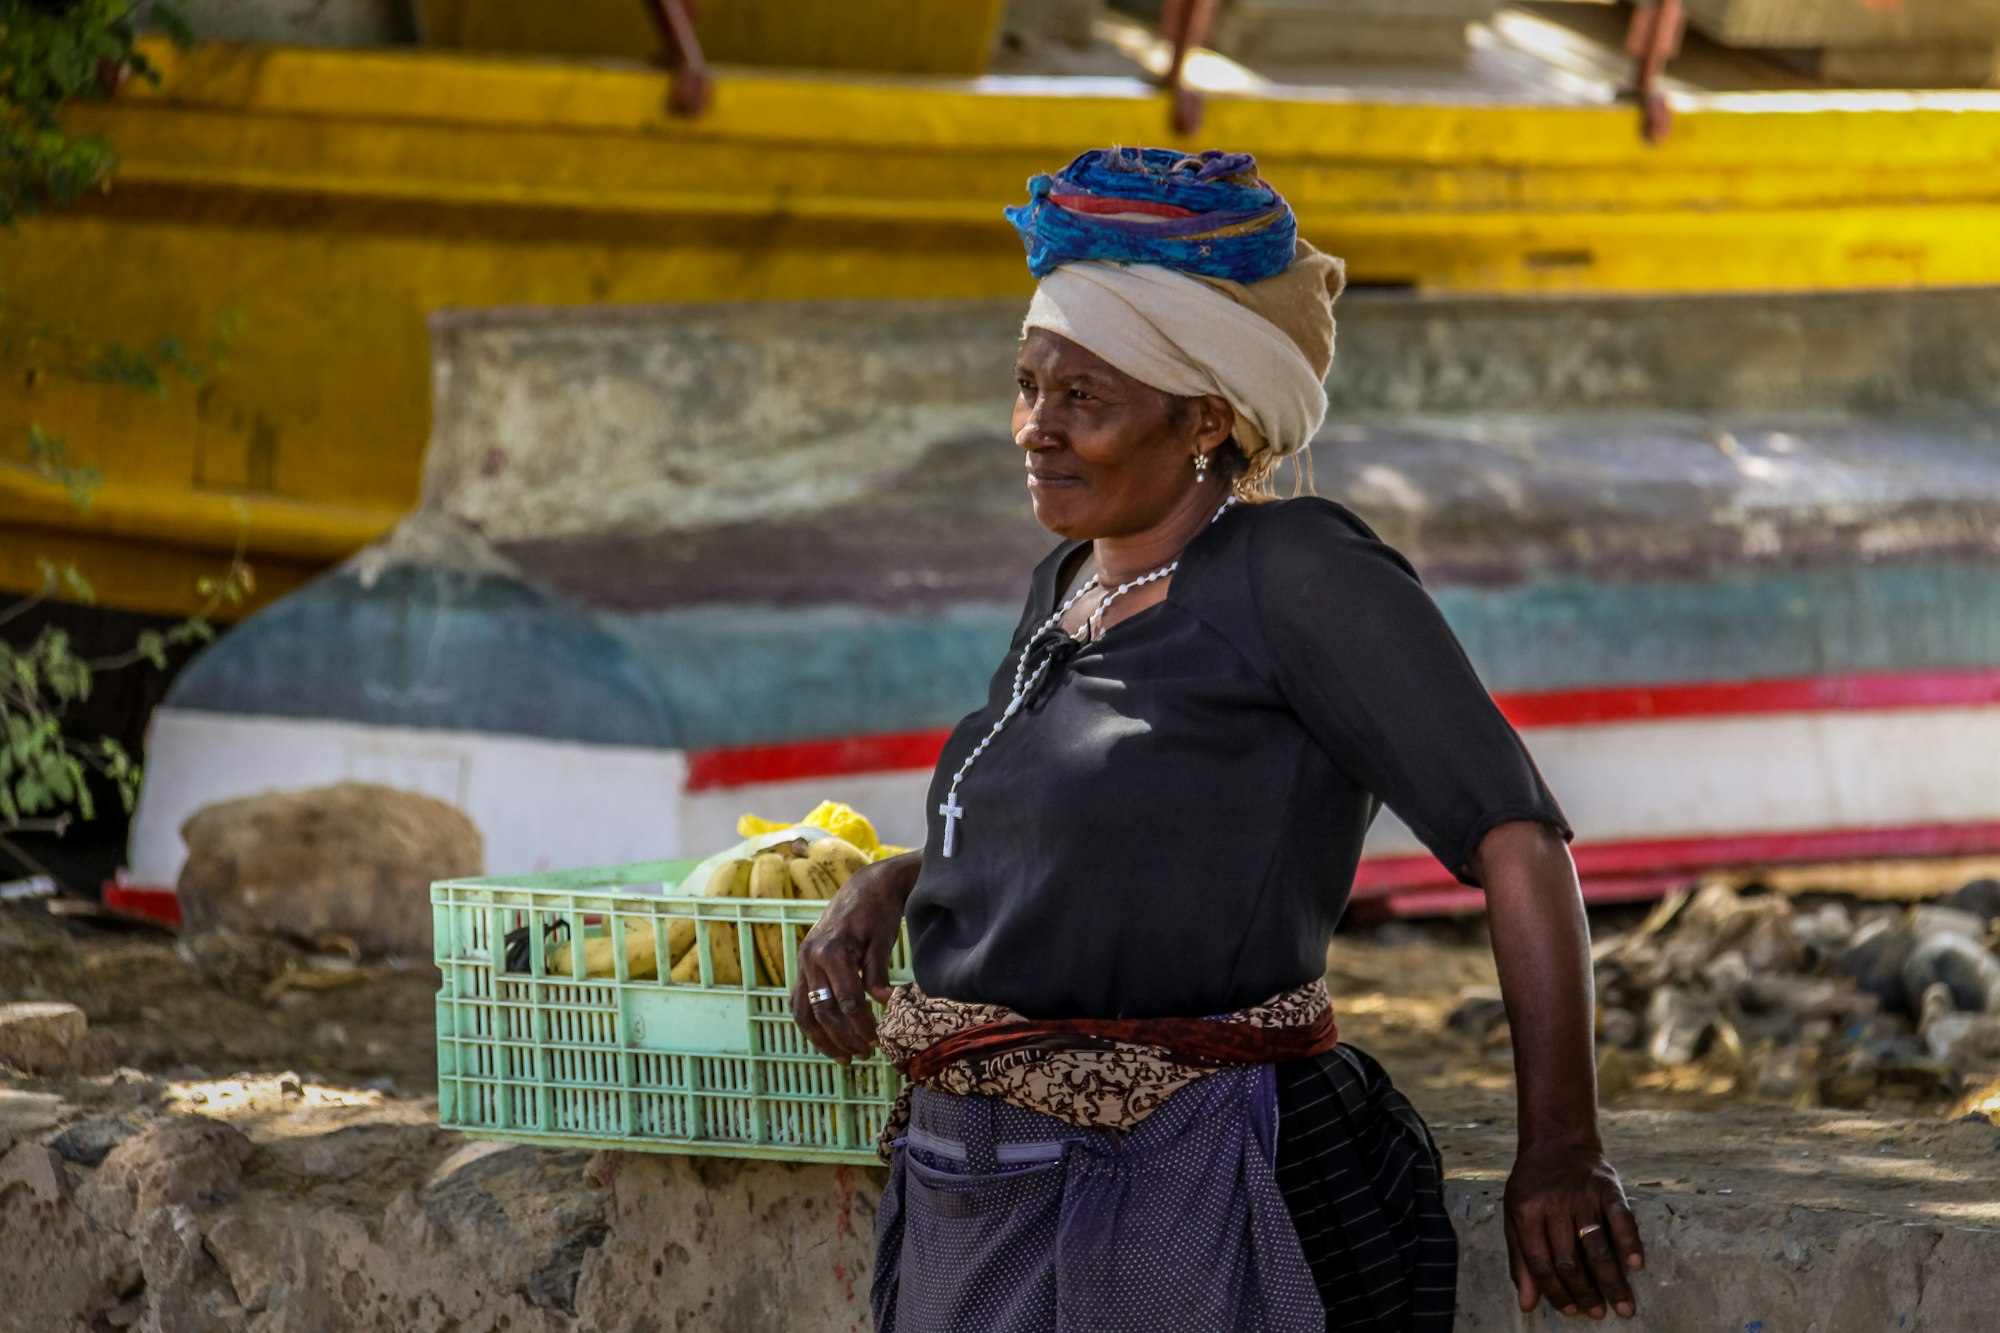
{"x": 795, "y": 869}
{"x": 642, "y": 961}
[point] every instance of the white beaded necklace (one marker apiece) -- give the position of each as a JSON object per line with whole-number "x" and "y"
{"x": 1026, "y": 681}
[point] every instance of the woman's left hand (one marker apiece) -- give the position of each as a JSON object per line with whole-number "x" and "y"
{"x": 1556, "y": 1192}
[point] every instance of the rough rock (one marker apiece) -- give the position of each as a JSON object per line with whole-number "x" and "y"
{"x": 248, "y": 1248}
{"x": 1614, "y": 1074}
{"x": 88, "y": 1142}
{"x": 1677, "y": 1022}
{"x": 1839, "y": 1222}
{"x": 1965, "y": 1042}
{"x": 1962, "y": 964}
{"x": 1805, "y": 997}
{"x": 1726, "y": 975}
{"x": 1874, "y": 958}
{"x": 52, "y": 1040}
{"x": 1932, "y": 918}
{"x": 495, "y": 1240}
{"x": 1823, "y": 932}
{"x": 1621, "y": 1027}
{"x": 176, "y": 1162}
{"x": 1478, "y": 1014}
{"x": 58, "y": 1269}
{"x": 25, "y": 1114}
{"x": 675, "y": 1213}
{"x": 1980, "y": 897}
{"x": 238, "y": 961}
{"x": 185, "y": 1291}
{"x": 353, "y": 859}
{"x": 1717, "y": 920}
{"x": 1786, "y": 1075}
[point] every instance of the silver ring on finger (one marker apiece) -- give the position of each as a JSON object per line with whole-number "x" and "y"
{"x": 819, "y": 996}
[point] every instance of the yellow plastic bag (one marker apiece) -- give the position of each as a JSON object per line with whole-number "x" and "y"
{"x": 842, "y": 821}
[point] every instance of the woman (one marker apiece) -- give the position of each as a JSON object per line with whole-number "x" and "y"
{"x": 1129, "y": 1107}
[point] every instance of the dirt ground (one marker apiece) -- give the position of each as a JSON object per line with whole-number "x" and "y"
{"x": 363, "y": 1034}
{"x": 348, "y": 1027}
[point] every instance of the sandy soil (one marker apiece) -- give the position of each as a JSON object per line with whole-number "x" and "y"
{"x": 359, "y": 1042}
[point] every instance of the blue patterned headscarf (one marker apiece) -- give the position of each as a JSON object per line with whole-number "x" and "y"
{"x": 1207, "y": 214}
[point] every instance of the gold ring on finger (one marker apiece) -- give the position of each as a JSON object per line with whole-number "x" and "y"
{"x": 1581, "y": 1232}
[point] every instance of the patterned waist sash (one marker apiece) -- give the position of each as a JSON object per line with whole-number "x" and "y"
{"x": 1098, "y": 1073}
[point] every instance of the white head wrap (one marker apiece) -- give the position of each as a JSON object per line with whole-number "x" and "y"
{"x": 1184, "y": 337}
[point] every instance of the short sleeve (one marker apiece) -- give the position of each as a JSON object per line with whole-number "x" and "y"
{"x": 1362, "y": 654}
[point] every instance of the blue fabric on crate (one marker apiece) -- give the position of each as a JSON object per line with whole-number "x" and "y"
{"x": 998, "y": 1219}
{"x": 1207, "y": 214}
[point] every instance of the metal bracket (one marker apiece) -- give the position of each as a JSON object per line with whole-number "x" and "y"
{"x": 675, "y": 20}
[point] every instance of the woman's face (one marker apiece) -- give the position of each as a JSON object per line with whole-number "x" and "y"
{"x": 1107, "y": 456}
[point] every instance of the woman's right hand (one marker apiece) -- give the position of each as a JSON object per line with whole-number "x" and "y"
{"x": 847, "y": 952}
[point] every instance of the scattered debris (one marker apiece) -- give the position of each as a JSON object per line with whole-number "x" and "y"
{"x": 1809, "y": 1003}
{"x": 35, "y": 886}
{"x": 1479, "y": 1014}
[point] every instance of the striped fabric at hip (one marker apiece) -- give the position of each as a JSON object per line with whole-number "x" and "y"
{"x": 1365, "y": 1187}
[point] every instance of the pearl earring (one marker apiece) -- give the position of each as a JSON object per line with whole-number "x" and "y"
{"x": 1201, "y": 467}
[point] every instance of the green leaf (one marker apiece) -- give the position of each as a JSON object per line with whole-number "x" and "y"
{"x": 173, "y": 23}
{"x": 153, "y": 647}
{"x": 82, "y": 483}
{"x": 192, "y": 630}
{"x": 79, "y": 586}
{"x": 30, "y": 796}
{"x": 44, "y": 449}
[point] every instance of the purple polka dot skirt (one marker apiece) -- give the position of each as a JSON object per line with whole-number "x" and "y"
{"x": 999, "y": 1219}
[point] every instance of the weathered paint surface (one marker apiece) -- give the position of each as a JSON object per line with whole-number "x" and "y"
{"x": 684, "y": 529}
{"x": 701, "y": 526}
{"x": 426, "y": 647}
{"x": 339, "y": 197}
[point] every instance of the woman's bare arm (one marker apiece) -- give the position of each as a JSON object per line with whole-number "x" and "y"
{"x": 1561, "y": 1183}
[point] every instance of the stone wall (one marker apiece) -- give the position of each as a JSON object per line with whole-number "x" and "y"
{"x": 1755, "y": 1218}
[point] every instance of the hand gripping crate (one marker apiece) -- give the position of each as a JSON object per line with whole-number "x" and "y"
{"x": 618, "y": 1061}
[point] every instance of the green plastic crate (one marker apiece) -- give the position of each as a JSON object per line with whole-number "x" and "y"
{"x": 618, "y": 1062}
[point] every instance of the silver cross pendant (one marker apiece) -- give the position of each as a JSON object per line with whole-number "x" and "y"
{"x": 951, "y": 810}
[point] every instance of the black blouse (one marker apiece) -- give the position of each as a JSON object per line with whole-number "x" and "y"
{"x": 1172, "y": 827}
